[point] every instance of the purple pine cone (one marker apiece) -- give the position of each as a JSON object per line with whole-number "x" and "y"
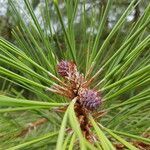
{"x": 89, "y": 99}
{"x": 65, "y": 68}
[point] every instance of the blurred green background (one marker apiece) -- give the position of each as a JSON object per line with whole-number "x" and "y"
{"x": 92, "y": 6}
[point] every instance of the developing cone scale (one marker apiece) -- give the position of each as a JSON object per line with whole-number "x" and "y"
{"x": 87, "y": 98}
{"x": 66, "y": 68}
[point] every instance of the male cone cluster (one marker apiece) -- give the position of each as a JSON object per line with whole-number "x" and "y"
{"x": 87, "y": 98}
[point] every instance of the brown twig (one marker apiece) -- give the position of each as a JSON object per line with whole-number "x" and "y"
{"x": 32, "y": 126}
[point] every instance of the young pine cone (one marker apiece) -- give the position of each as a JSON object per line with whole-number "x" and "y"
{"x": 89, "y": 99}
{"x": 66, "y": 68}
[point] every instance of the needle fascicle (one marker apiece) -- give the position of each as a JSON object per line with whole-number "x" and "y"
{"x": 57, "y": 79}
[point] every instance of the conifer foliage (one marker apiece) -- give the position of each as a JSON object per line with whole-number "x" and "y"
{"x": 72, "y": 79}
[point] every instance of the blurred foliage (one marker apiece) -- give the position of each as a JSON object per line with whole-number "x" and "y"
{"x": 7, "y": 23}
